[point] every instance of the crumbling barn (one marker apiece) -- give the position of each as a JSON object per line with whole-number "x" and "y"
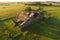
{"x": 27, "y": 18}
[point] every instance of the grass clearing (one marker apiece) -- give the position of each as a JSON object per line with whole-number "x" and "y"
{"x": 41, "y": 30}
{"x": 10, "y": 11}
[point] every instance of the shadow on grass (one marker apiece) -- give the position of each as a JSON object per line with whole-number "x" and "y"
{"x": 9, "y": 24}
{"x": 49, "y": 28}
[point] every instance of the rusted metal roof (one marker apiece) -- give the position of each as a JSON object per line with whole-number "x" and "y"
{"x": 24, "y": 16}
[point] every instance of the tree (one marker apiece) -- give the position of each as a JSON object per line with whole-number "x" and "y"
{"x": 50, "y": 4}
{"x": 38, "y": 3}
{"x": 28, "y": 9}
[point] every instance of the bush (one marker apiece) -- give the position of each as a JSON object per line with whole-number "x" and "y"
{"x": 28, "y": 9}
{"x": 50, "y": 4}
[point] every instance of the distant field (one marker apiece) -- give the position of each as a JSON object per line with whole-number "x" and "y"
{"x": 14, "y": 10}
{"x": 10, "y": 11}
{"x": 55, "y": 11}
{"x": 41, "y": 30}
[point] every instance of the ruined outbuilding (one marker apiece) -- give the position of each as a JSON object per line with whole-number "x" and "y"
{"x": 27, "y": 18}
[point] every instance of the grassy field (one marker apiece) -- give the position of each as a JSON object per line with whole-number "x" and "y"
{"x": 10, "y": 11}
{"x": 41, "y": 30}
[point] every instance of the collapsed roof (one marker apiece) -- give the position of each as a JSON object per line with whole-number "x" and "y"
{"x": 24, "y": 17}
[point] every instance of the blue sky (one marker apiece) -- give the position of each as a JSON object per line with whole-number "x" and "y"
{"x": 26, "y": 0}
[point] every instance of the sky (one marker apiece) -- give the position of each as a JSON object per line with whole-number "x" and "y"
{"x": 26, "y": 0}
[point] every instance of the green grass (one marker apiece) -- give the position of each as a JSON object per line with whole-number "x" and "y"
{"x": 45, "y": 30}
{"x": 10, "y": 11}
{"x": 41, "y": 30}
{"x": 55, "y": 11}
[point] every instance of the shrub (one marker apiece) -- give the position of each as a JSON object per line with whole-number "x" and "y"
{"x": 28, "y": 9}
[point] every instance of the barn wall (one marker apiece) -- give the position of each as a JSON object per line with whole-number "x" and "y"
{"x": 29, "y": 22}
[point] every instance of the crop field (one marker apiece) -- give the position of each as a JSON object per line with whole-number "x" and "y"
{"x": 10, "y": 11}
{"x": 49, "y": 29}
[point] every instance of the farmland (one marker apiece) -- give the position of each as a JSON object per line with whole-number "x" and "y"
{"x": 41, "y": 30}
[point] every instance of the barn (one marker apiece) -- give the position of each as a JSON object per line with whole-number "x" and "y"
{"x": 27, "y": 18}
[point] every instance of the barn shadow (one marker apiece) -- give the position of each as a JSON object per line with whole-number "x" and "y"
{"x": 49, "y": 27}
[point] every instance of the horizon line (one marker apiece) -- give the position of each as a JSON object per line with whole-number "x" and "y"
{"x": 29, "y": 0}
